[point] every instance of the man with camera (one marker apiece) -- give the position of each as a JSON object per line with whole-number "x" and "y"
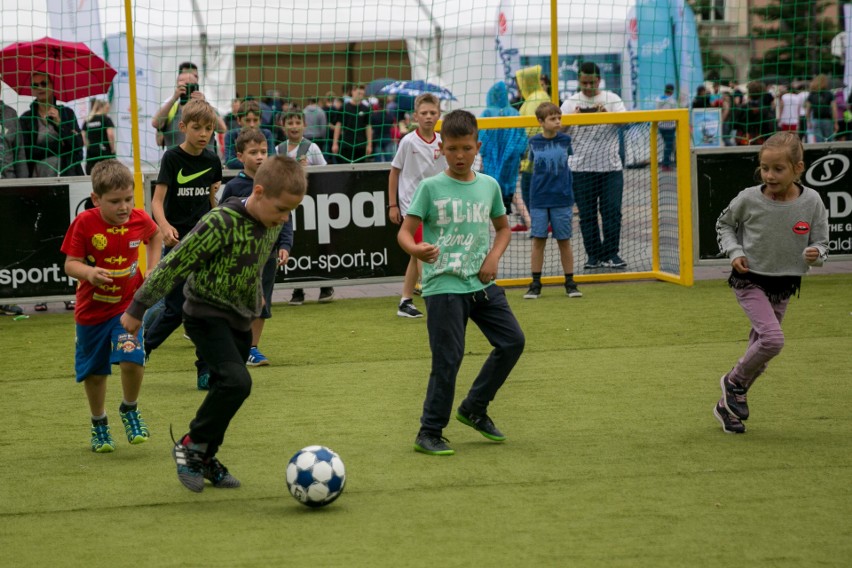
{"x": 597, "y": 169}
{"x": 167, "y": 118}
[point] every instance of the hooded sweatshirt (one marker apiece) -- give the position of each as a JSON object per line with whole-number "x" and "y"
{"x": 529, "y": 81}
{"x": 221, "y": 260}
{"x": 502, "y": 148}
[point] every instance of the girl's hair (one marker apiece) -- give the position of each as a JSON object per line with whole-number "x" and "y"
{"x": 786, "y": 141}
{"x": 98, "y": 107}
{"x": 819, "y": 83}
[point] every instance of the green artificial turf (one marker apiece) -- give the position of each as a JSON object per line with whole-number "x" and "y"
{"x": 613, "y": 457}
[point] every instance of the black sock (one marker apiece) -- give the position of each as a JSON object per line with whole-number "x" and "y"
{"x": 536, "y": 278}
{"x": 100, "y": 421}
{"x": 124, "y": 407}
{"x": 569, "y": 279}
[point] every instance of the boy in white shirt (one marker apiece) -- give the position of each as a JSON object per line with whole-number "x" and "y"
{"x": 417, "y": 158}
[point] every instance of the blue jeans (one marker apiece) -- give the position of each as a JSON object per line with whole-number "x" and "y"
{"x": 599, "y": 192}
{"x": 447, "y": 317}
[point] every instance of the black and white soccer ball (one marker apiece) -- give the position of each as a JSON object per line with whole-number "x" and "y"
{"x": 315, "y": 476}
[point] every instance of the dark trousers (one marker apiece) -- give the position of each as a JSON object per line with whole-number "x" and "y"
{"x": 447, "y": 317}
{"x": 168, "y": 320}
{"x": 668, "y": 136}
{"x": 594, "y": 192}
{"x": 225, "y": 350}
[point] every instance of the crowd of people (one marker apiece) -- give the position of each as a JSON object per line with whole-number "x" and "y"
{"x": 750, "y": 115}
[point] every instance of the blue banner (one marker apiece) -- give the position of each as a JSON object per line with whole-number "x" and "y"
{"x": 687, "y": 52}
{"x": 655, "y": 52}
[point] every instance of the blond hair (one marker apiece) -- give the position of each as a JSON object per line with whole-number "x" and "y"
{"x": 198, "y": 111}
{"x": 99, "y": 106}
{"x": 428, "y": 98}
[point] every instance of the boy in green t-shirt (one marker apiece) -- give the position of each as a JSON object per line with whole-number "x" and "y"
{"x": 457, "y": 208}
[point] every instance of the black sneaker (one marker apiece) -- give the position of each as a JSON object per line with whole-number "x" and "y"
{"x": 11, "y": 310}
{"x": 593, "y": 263}
{"x": 298, "y": 297}
{"x": 326, "y": 295}
{"x": 734, "y": 398}
{"x": 406, "y": 309}
{"x": 534, "y": 292}
{"x": 218, "y": 474}
{"x": 730, "y": 423}
{"x": 481, "y": 423}
{"x": 572, "y": 291}
{"x": 432, "y": 445}
{"x": 614, "y": 261}
{"x": 190, "y": 466}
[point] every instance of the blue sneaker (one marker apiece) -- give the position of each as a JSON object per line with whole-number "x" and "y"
{"x": 256, "y": 358}
{"x": 134, "y": 426}
{"x": 102, "y": 439}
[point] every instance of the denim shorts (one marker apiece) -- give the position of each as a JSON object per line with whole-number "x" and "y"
{"x": 559, "y": 218}
{"x": 102, "y": 345}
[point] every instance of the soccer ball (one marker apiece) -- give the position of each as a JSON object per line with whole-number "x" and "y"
{"x": 315, "y": 476}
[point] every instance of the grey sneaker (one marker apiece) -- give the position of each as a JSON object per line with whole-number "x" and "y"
{"x": 298, "y": 297}
{"x": 11, "y": 310}
{"x": 190, "y": 466}
{"x": 730, "y": 423}
{"x": 481, "y": 423}
{"x": 614, "y": 261}
{"x": 406, "y": 309}
{"x": 432, "y": 445}
{"x": 734, "y": 398}
{"x": 326, "y": 295}
{"x": 218, "y": 474}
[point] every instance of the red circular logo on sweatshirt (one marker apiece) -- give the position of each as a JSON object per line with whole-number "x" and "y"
{"x": 801, "y": 228}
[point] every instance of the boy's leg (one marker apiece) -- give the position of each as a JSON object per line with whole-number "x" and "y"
{"x": 92, "y": 366}
{"x": 95, "y": 387}
{"x": 492, "y": 314}
{"x": 128, "y": 353}
{"x": 566, "y": 255}
{"x": 410, "y": 279}
{"x": 448, "y": 314}
{"x": 537, "y": 254}
{"x": 612, "y": 192}
{"x": 225, "y": 350}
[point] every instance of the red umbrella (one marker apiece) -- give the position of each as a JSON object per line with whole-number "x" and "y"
{"x": 75, "y": 71}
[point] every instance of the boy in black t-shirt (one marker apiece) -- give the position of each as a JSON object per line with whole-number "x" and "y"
{"x": 353, "y": 134}
{"x": 190, "y": 175}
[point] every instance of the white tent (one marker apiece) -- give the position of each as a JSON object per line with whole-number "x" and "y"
{"x": 449, "y": 42}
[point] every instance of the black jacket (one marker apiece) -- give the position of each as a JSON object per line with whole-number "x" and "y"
{"x": 69, "y": 144}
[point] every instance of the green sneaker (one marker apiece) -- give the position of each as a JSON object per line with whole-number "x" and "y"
{"x": 134, "y": 426}
{"x": 481, "y": 423}
{"x": 432, "y": 445}
{"x": 102, "y": 439}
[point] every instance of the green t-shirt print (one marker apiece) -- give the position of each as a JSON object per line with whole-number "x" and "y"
{"x": 456, "y": 218}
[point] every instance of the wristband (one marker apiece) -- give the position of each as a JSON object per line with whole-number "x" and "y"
{"x": 389, "y": 206}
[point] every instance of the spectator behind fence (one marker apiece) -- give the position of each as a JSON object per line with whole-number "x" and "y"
{"x": 168, "y": 117}
{"x": 598, "y": 170}
{"x": 333, "y": 108}
{"x": 307, "y": 153}
{"x": 353, "y": 133}
{"x": 232, "y": 118}
{"x": 50, "y": 133}
{"x": 758, "y": 119}
{"x": 98, "y": 135}
{"x": 12, "y": 158}
{"x": 502, "y": 149}
{"x": 316, "y": 124}
{"x": 529, "y": 82}
{"x": 249, "y": 116}
{"x": 821, "y": 109}
{"x": 383, "y": 121}
{"x": 667, "y": 128}
{"x": 789, "y": 109}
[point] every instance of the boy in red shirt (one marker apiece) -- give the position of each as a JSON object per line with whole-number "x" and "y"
{"x": 102, "y": 248}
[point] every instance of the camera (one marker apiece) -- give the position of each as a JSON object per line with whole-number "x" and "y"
{"x": 190, "y": 88}
{"x": 589, "y": 109}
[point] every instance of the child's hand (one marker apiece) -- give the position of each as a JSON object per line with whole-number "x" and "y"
{"x": 98, "y": 276}
{"x": 811, "y": 255}
{"x": 426, "y": 252}
{"x": 394, "y": 215}
{"x": 130, "y": 323}
{"x": 740, "y": 264}
{"x": 283, "y": 257}
{"x": 170, "y": 235}
{"x": 488, "y": 270}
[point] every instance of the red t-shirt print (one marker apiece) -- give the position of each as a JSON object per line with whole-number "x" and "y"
{"x": 801, "y": 228}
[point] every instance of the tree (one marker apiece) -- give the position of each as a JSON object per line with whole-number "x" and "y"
{"x": 803, "y": 36}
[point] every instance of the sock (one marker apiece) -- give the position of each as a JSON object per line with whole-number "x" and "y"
{"x": 254, "y": 346}
{"x": 569, "y": 279}
{"x": 404, "y": 300}
{"x": 127, "y": 406}
{"x": 187, "y": 441}
{"x": 536, "y": 277}
{"x": 101, "y": 420}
